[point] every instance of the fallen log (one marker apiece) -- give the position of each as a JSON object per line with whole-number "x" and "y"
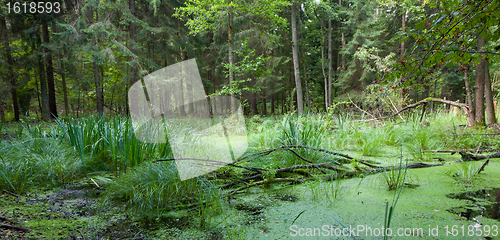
{"x": 472, "y": 157}
{"x": 352, "y": 173}
{"x": 281, "y": 170}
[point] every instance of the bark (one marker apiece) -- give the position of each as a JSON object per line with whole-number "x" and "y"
{"x": 295, "y": 53}
{"x": 10, "y": 72}
{"x": 479, "y": 95}
{"x": 490, "y": 107}
{"x": 50, "y": 71}
{"x": 470, "y": 120}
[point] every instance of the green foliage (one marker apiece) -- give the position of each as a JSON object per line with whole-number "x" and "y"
{"x": 113, "y": 141}
{"x": 465, "y": 173}
{"x": 369, "y": 141}
{"x": 31, "y": 162}
{"x": 446, "y": 38}
{"x": 153, "y": 189}
{"x": 305, "y": 130}
{"x": 419, "y": 138}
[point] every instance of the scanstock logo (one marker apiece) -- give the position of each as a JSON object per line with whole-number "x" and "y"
{"x": 204, "y": 133}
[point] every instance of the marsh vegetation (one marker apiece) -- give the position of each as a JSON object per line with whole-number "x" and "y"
{"x": 92, "y": 175}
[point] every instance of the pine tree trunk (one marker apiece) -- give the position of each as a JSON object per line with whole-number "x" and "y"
{"x": 490, "y": 107}
{"x": 50, "y": 71}
{"x": 330, "y": 62}
{"x": 295, "y": 53}
{"x": 479, "y": 95}
{"x": 10, "y": 72}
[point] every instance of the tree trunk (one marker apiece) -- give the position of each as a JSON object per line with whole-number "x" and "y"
{"x": 404, "y": 91}
{"x": 264, "y": 104}
{"x": 230, "y": 55}
{"x": 479, "y": 95}
{"x": 97, "y": 79}
{"x": 470, "y": 118}
{"x": 295, "y": 53}
{"x": 490, "y": 107}
{"x": 134, "y": 101}
{"x": 43, "y": 89}
{"x": 330, "y": 62}
{"x": 323, "y": 65}
{"x": 50, "y": 71}
{"x": 10, "y": 72}
{"x": 253, "y": 103}
{"x": 342, "y": 39}
{"x": 64, "y": 87}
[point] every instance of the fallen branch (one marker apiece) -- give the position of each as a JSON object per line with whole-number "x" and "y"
{"x": 306, "y": 147}
{"x": 464, "y": 107}
{"x": 7, "y": 226}
{"x": 362, "y": 109}
{"x": 353, "y": 173}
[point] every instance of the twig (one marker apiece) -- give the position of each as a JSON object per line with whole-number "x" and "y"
{"x": 362, "y": 109}
{"x": 7, "y": 226}
{"x": 12, "y": 194}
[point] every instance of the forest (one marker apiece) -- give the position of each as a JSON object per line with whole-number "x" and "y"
{"x": 236, "y": 119}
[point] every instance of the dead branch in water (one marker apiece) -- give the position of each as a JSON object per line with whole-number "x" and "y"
{"x": 471, "y": 157}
